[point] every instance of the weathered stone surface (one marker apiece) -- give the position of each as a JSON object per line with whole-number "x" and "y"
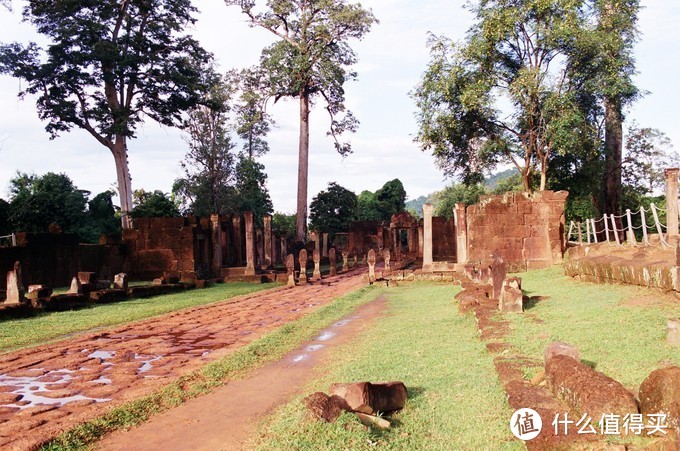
{"x": 511, "y": 297}
{"x": 36, "y": 292}
{"x": 499, "y": 270}
{"x": 172, "y": 276}
{"x": 586, "y": 390}
{"x": 560, "y": 348}
{"x": 104, "y": 296}
{"x": 324, "y": 407}
{"x": 67, "y": 301}
{"x": 87, "y": 277}
{"x": 673, "y": 335}
{"x": 660, "y": 393}
{"x": 373, "y": 420}
{"x": 371, "y": 398}
{"x": 290, "y": 268}
{"x": 332, "y": 262}
{"x": 345, "y": 260}
{"x": 316, "y": 256}
{"x": 76, "y": 286}
{"x": 15, "y": 286}
{"x": 371, "y": 266}
{"x": 303, "y": 267}
{"x": 386, "y": 256}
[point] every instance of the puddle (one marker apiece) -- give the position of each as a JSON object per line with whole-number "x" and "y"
{"x": 312, "y": 348}
{"x": 300, "y": 357}
{"x": 101, "y": 380}
{"x": 325, "y": 335}
{"x": 104, "y": 355}
{"x": 147, "y": 364}
{"x": 343, "y": 322}
{"x": 29, "y": 387}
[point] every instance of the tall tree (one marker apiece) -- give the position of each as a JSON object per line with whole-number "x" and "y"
{"x": 153, "y": 204}
{"x": 209, "y": 163}
{"x": 515, "y": 55}
{"x": 252, "y": 121}
{"x": 616, "y": 33}
{"x": 311, "y": 59}
{"x": 107, "y": 65}
{"x": 648, "y": 152}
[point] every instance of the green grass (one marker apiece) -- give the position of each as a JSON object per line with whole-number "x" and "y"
{"x": 624, "y": 342}
{"x": 17, "y": 333}
{"x": 270, "y": 347}
{"x": 455, "y": 399}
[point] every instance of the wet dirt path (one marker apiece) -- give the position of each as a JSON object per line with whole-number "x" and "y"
{"x": 224, "y": 419}
{"x": 50, "y": 388}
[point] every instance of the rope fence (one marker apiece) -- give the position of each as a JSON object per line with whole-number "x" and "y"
{"x": 633, "y": 228}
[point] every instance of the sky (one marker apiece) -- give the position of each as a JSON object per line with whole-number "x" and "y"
{"x": 392, "y": 58}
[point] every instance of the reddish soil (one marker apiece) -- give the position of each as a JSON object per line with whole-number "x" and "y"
{"x": 227, "y": 417}
{"x": 83, "y": 377}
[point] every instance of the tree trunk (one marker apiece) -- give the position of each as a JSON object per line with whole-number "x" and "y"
{"x": 303, "y": 166}
{"x": 613, "y": 141}
{"x": 119, "y": 152}
{"x": 525, "y": 179}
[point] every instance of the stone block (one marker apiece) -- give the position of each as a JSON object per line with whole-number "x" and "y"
{"x": 172, "y": 276}
{"x": 324, "y": 407}
{"x": 499, "y": 270}
{"x": 68, "y": 301}
{"x": 105, "y": 296}
{"x": 511, "y": 299}
{"x": 369, "y": 398}
{"x": 560, "y": 348}
{"x": 120, "y": 281}
{"x": 36, "y": 292}
{"x": 660, "y": 394}
{"x": 586, "y": 390}
{"x": 673, "y": 335}
{"x": 76, "y": 287}
{"x": 15, "y": 287}
{"x": 87, "y": 277}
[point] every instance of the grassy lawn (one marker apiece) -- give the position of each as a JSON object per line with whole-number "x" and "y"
{"x": 455, "y": 399}
{"x": 17, "y": 333}
{"x": 620, "y": 329}
{"x": 270, "y": 347}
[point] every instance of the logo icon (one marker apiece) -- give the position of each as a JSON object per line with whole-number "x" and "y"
{"x": 526, "y": 424}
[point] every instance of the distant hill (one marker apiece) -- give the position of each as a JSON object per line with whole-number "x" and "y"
{"x": 490, "y": 184}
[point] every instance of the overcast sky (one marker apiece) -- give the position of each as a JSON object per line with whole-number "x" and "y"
{"x": 392, "y": 58}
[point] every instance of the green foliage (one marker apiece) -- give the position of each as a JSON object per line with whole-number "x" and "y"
{"x": 107, "y": 66}
{"x": 439, "y": 357}
{"x": 5, "y": 227}
{"x": 154, "y": 204}
{"x": 101, "y": 218}
{"x": 510, "y": 56}
{"x": 648, "y": 152}
{"x": 367, "y": 207}
{"x": 251, "y": 189}
{"x": 510, "y": 183}
{"x": 456, "y": 194}
{"x": 390, "y": 199}
{"x": 40, "y": 202}
{"x": 284, "y": 225}
{"x": 209, "y": 163}
{"x": 252, "y": 121}
{"x": 332, "y": 211}
{"x": 312, "y": 55}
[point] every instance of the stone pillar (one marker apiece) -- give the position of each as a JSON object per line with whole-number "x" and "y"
{"x": 250, "y": 244}
{"x": 345, "y": 260}
{"x": 371, "y": 266}
{"x": 412, "y": 241}
{"x": 316, "y": 256}
{"x": 238, "y": 240}
{"x": 290, "y": 268}
{"x": 284, "y": 247}
{"x": 15, "y": 286}
{"x": 386, "y": 257}
{"x": 317, "y": 240}
{"x": 460, "y": 221}
{"x": 420, "y": 242}
{"x": 303, "y": 267}
{"x": 324, "y": 249}
{"x": 672, "y": 201}
{"x": 427, "y": 237}
{"x": 259, "y": 256}
{"x": 216, "y": 229}
{"x": 331, "y": 259}
{"x": 267, "y": 241}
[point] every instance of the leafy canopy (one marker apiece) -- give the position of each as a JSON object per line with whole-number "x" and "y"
{"x": 332, "y": 210}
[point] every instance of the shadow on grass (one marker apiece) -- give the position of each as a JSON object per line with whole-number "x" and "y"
{"x": 530, "y": 302}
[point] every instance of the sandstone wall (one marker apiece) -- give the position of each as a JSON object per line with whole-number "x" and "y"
{"x": 525, "y": 229}
{"x": 156, "y": 245}
{"x": 443, "y": 239}
{"x": 54, "y": 258}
